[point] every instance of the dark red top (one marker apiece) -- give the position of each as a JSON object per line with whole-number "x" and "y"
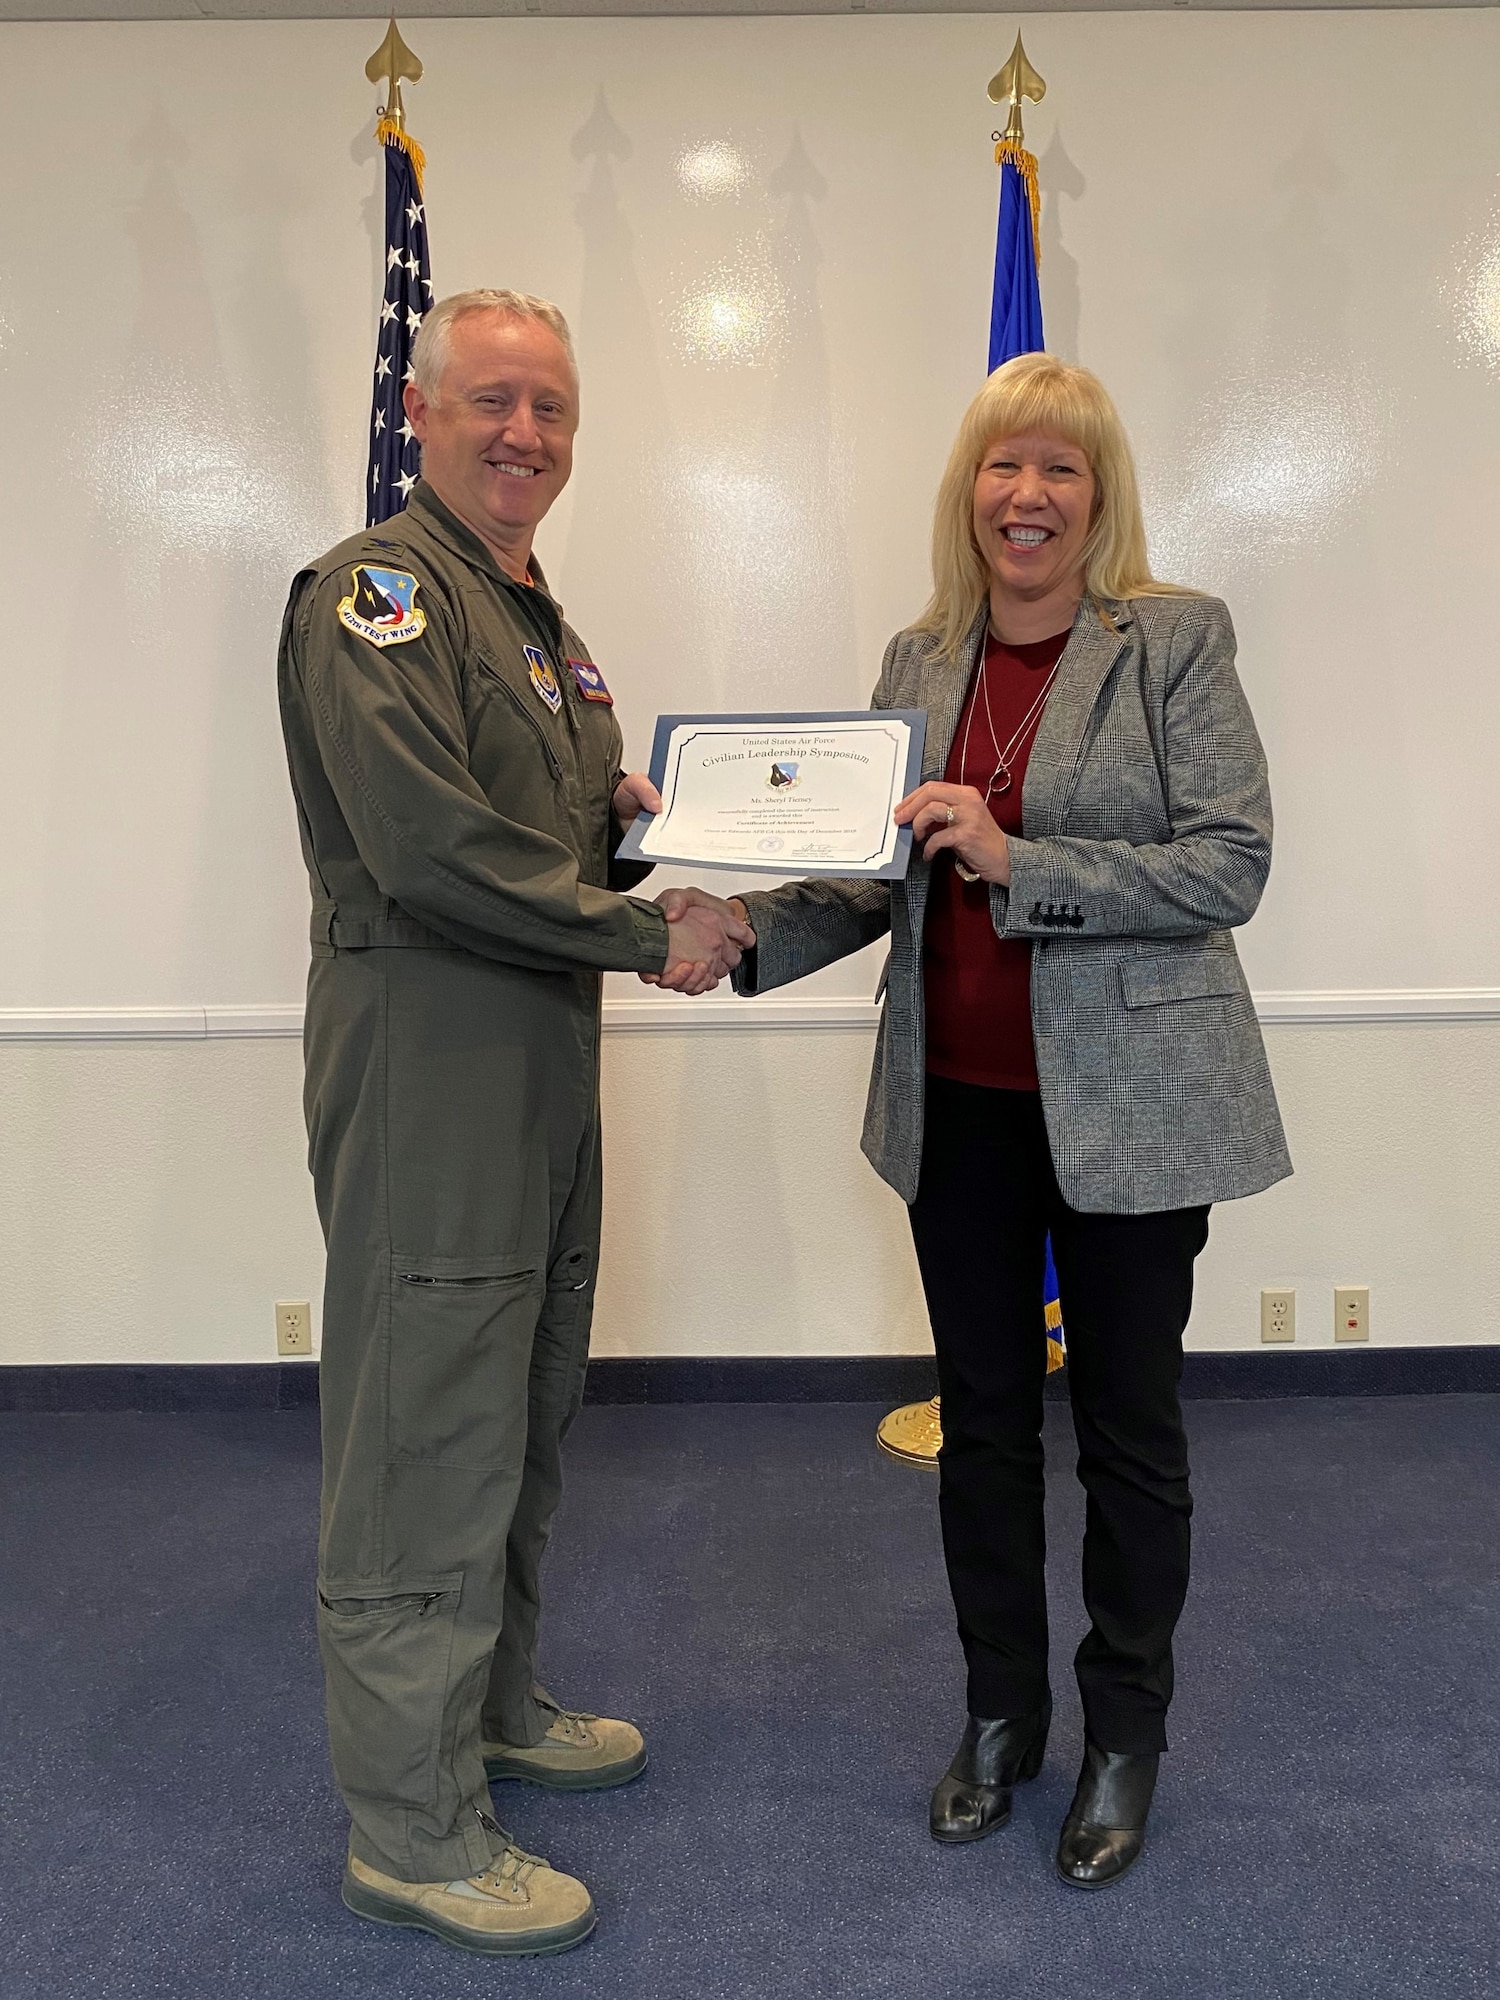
{"x": 978, "y": 986}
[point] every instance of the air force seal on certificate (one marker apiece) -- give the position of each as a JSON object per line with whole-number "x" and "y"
{"x": 382, "y": 606}
{"x": 542, "y": 677}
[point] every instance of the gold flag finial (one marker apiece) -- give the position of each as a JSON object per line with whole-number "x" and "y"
{"x": 1017, "y": 80}
{"x": 392, "y": 61}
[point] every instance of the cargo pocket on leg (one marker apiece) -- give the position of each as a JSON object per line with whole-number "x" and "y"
{"x": 460, "y": 1353}
{"x": 386, "y": 1650}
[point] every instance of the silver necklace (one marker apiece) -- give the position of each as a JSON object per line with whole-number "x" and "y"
{"x": 1002, "y": 771}
{"x": 1000, "y": 778}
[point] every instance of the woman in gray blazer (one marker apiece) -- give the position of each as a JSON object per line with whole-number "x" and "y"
{"x": 1067, "y": 1045}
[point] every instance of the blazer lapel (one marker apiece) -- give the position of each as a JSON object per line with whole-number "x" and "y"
{"x": 943, "y": 685}
{"x": 945, "y": 682}
{"x": 1088, "y": 660}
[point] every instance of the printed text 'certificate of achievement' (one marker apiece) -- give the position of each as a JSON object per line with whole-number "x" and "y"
{"x": 789, "y": 794}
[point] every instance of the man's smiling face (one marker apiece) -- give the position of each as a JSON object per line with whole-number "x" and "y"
{"x": 497, "y": 444}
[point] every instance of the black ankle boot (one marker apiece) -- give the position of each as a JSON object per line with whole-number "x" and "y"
{"x": 1105, "y": 1828}
{"x": 973, "y": 1797}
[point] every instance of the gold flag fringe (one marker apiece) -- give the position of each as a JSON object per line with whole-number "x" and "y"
{"x": 1008, "y": 152}
{"x": 389, "y": 133}
{"x": 1052, "y": 1314}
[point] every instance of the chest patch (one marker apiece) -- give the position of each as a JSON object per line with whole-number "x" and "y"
{"x": 382, "y": 606}
{"x": 542, "y": 677}
{"x": 590, "y": 682}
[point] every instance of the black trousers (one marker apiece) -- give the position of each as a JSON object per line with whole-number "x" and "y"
{"x": 987, "y": 1199}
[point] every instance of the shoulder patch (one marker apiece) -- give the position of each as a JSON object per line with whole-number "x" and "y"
{"x": 382, "y": 606}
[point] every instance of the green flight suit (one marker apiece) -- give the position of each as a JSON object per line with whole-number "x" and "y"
{"x": 453, "y": 777}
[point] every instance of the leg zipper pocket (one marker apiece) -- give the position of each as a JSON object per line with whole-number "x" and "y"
{"x": 354, "y": 1607}
{"x": 462, "y": 1284}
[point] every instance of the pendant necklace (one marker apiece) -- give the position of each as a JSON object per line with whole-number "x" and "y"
{"x": 1000, "y": 777}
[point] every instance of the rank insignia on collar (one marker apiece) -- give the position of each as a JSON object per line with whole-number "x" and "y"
{"x": 590, "y": 681}
{"x": 542, "y": 677}
{"x": 382, "y": 606}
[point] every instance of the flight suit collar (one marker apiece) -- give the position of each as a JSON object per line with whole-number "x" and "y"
{"x": 440, "y": 521}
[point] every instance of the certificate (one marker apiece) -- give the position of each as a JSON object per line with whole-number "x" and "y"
{"x": 786, "y": 794}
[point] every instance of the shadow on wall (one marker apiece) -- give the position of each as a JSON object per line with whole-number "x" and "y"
{"x": 160, "y": 479}
{"x": 719, "y": 419}
{"x": 365, "y": 151}
{"x": 204, "y": 487}
{"x": 1278, "y": 442}
{"x": 809, "y": 631}
{"x": 632, "y": 523}
{"x": 1061, "y": 181}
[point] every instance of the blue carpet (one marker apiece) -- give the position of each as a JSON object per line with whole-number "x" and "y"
{"x": 764, "y": 1593}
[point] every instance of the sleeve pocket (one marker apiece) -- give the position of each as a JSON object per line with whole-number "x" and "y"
{"x": 1152, "y": 981}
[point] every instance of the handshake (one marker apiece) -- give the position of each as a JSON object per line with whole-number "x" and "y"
{"x": 706, "y": 937}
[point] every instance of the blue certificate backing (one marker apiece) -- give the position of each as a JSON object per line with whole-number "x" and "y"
{"x": 893, "y": 870}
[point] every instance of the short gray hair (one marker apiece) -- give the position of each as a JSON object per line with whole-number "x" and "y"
{"x": 433, "y": 344}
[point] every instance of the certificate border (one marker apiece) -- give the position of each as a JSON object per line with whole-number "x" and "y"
{"x": 890, "y": 871}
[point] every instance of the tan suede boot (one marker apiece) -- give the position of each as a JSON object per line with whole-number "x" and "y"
{"x": 579, "y": 1753}
{"x": 518, "y": 1907}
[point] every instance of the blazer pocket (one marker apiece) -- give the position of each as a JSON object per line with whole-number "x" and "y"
{"x": 1150, "y": 982}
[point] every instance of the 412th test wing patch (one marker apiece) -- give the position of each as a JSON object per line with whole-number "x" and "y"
{"x": 382, "y": 606}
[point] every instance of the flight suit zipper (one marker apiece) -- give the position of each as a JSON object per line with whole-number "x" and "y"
{"x": 546, "y": 622}
{"x": 549, "y": 749}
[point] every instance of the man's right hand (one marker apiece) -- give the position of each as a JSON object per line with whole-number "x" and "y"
{"x": 705, "y": 939}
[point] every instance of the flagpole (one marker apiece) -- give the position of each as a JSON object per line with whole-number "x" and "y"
{"x": 395, "y": 456}
{"x": 392, "y": 62}
{"x": 914, "y": 1433}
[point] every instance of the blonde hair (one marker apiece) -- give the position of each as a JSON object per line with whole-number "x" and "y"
{"x": 434, "y": 341}
{"x": 1037, "y": 392}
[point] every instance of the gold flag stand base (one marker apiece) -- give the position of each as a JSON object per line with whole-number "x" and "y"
{"x": 914, "y": 1433}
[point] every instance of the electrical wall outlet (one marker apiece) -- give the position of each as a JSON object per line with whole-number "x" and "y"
{"x": 1278, "y": 1316}
{"x": 1351, "y": 1312}
{"x": 293, "y": 1326}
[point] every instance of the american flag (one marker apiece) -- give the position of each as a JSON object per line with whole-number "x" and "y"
{"x": 394, "y": 454}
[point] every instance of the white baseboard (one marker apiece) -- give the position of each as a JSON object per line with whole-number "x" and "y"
{"x": 1436, "y": 1003}
{"x": 149, "y": 1024}
{"x": 718, "y": 1014}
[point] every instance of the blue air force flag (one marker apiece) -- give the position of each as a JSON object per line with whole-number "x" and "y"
{"x": 394, "y": 455}
{"x": 1016, "y": 328}
{"x": 1057, "y": 1347}
{"x": 1016, "y": 303}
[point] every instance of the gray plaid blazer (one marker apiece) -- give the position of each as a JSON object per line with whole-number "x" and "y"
{"x": 1147, "y": 821}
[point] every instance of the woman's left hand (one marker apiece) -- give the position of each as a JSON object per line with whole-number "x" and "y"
{"x": 956, "y": 816}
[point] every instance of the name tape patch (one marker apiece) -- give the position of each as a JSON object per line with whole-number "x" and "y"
{"x": 590, "y": 682}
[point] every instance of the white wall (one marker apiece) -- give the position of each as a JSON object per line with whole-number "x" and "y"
{"x": 155, "y": 1202}
{"x": 1277, "y": 236}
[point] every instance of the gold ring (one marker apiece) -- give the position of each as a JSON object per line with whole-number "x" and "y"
{"x": 950, "y": 815}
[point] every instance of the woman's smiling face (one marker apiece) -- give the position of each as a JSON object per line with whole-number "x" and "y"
{"x": 1033, "y": 506}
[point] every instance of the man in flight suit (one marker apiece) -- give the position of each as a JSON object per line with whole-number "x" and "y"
{"x": 456, "y": 764}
